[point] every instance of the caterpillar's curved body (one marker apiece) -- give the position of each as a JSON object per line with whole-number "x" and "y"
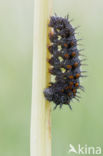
{"x": 65, "y": 62}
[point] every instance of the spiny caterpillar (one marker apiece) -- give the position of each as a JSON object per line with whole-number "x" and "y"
{"x": 65, "y": 62}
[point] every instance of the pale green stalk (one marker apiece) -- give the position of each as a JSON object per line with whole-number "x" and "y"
{"x": 40, "y": 140}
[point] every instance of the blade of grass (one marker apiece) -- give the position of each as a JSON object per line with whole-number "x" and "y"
{"x": 40, "y": 140}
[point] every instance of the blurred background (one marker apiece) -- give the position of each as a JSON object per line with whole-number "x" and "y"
{"x": 84, "y": 124}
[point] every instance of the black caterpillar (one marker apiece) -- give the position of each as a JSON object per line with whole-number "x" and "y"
{"x": 65, "y": 62}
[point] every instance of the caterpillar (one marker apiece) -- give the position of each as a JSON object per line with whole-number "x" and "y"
{"x": 65, "y": 62}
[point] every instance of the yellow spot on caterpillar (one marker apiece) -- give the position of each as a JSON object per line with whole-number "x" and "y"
{"x": 63, "y": 70}
{"x": 60, "y": 58}
{"x": 59, "y": 48}
{"x": 59, "y": 37}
